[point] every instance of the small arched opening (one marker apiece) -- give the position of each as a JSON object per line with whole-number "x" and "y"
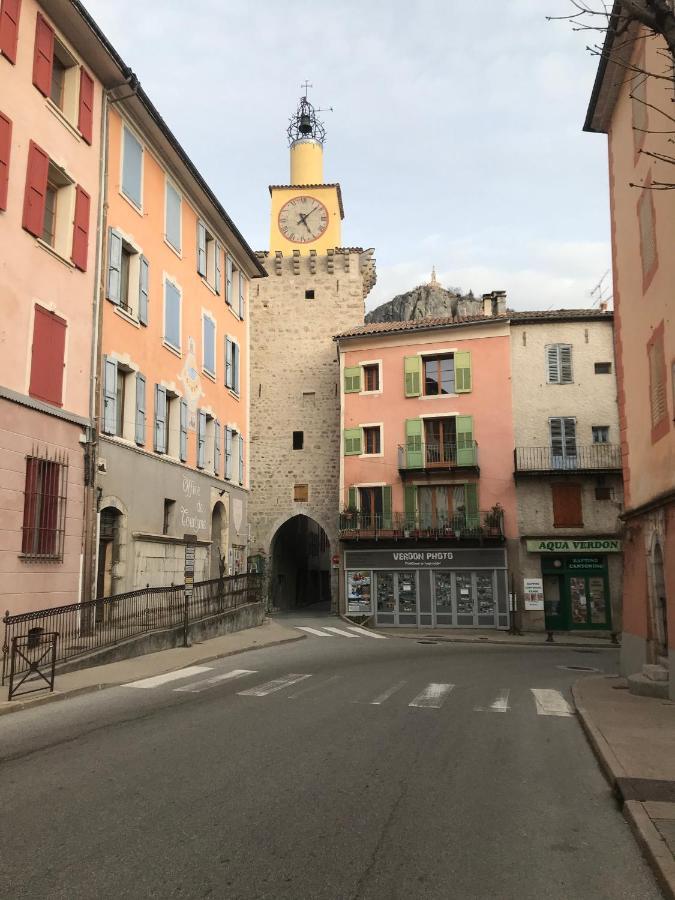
{"x": 300, "y": 565}
{"x": 218, "y": 563}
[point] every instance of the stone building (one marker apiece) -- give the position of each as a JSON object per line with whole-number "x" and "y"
{"x": 315, "y": 289}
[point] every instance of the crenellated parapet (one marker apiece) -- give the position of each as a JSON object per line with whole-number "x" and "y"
{"x": 352, "y": 261}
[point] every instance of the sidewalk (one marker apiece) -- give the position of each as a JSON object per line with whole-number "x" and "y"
{"x": 481, "y": 636}
{"x": 98, "y": 677}
{"x": 634, "y": 740}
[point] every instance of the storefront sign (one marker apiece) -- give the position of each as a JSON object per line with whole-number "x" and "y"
{"x": 487, "y": 558}
{"x": 359, "y": 593}
{"x": 533, "y": 593}
{"x": 555, "y": 545}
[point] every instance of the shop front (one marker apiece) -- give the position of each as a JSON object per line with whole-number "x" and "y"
{"x": 428, "y": 587}
{"x": 576, "y": 582}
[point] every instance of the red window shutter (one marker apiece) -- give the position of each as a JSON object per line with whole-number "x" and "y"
{"x": 49, "y": 345}
{"x": 567, "y": 510}
{"x": 36, "y": 189}
{"x": 9, "y": 28}
{"x": 85, "y": 120}
{"x": 81, "y": 229}
{"x": 5, "y": 150}
{"x": 44, "y": 56}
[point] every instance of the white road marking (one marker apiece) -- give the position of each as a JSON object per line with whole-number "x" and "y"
{"x": 197, "y": 687}
{"x": 385, "y": 695}
{"x": 500, "y": 703}
{"x": 314, "y": 687}
{"x": 339, "y": 631}
{"x": 551, "y": 703}
{"x": 433, "y": 696}
{"x": 313, "y": 631}
{"x": 156, "y": 680}
{"x": 365, "y": 633}
{"x": 278, "y": 684}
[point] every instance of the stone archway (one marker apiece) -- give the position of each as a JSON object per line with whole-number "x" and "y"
{"x": 219, "y": 526}
{"x": 300, "y": 565}
{"x": 660, "y": 602}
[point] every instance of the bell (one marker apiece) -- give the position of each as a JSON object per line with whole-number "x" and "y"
{"x": 305, "y": 124}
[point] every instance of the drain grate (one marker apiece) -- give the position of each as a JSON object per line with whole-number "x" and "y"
{"x": 579, "y": 668}
{"x": 427, "y": 642}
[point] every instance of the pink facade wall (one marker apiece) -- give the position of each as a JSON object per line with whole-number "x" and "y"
{"x": 489, "y": 403}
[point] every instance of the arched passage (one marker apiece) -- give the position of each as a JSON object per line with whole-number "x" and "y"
{"x": 300, "y": 564}
{"x": 218, "y": 564}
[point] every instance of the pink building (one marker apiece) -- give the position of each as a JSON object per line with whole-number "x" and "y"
{"x": 50, "y": 153}
{"x": 426, "y": 479}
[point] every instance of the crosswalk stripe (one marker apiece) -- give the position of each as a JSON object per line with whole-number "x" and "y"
{"x": 365, "y": 633}
{"x": 313, "y": 631}
{"x": 196, "y": 687}
{"x": 314, "y": 687}
{"x": 500, "y": 704}
{"x": 270, "y": 687}
{"x": 385, "y": 695}
{"x": 339, "y": 631}
{"x": 433, "y": 696}
{"x": 551, "y": 703}
{"x": 156, "y": 680}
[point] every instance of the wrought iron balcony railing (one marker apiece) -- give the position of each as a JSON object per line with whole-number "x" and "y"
{"x": 437, "y": 455}
{"x": 355, "y": 525}
{"x": 591, "y": 457}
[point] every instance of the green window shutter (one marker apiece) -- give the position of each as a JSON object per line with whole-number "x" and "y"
{"x": 463, "y": 372}
{"x": 352, "y": 379}
{"x": 352, "y": 441}
{"x": 413, "y": 376}
{"x": 466, "y": 450}
{"x": 410, "y": 504}
{"x": 471, "y": 503}
{"x": 413, "y": 444}
{"x": 352, "y": 498}
{"x": 386, "y": 506}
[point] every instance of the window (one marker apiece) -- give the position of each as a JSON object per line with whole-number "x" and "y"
{"x": 128, "y": 277}
{"x": 439, "y": 375}
{"x": 5, "y": 151}
{"x": 309, "y": 295}
{"x": 563, "y": 433}
{"x": 567, "y": 511}
{"x": 9, "y": 28}
{"x": 658, "y": 400}
{"x": 603, "y": 492}
{"x": 132, "y": 168}
{"x": 168, "y": 436}
{"x": 44, "y": 508}
{"x": 209, "y": 339}
{"x": 647, "y": 226}
{"x": 440, "y": 441}
{"x": 301, "y": 493}
{"x": 172, "y": 304}
{"x": 47, "y": 357}
{"x": 209, "y": 253}
{"x": 183, "y": 429}
{"x": 119, "y": 405}
{"x": 167, "y": 523}
{"x": 232, "y": 365}
{"x": 229, "y": 275}
{"x": 371, "y": 439}
{"x": 49, "y": 222}
{"x": 206, "y": 440}
{"x": 228, "y": 452}
{"x": 173, "y": 216}
{"x": 139, "y": 430}
{"x": 603, "y": 368}
{"x": 371, "y": 377}
{"x": 63, "y": 87}
{"x": 298, "y": 440}
{"x": 559, "y": 364}
{"x": 201, "y": 438}
{"x": 242, "y": 295}
{"x": 242, "y": 457}
{"x": 600, "y": 434}
{"x": 352, "y": 379}
{"x": 123, "y": 402}
{"x": 374, "y": 506}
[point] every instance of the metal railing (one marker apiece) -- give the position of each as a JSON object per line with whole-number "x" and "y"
{"x": 437, "y": 455}
{"x": 106, "y": 621}
{"x": 460, "y": 526}
{"x": 592, "y": 457}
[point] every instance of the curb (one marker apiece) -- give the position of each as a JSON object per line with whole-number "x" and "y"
{"x": 488, "y": 640}
{"x": 20, "y": 705}
{"x": 610, "y": 765}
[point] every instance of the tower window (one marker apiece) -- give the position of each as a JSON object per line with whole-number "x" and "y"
{"x": 309, "y": 294}
{"x": 603, "y": 368}
{"x": 298, "y": 440}
{"x": 301, "y": 493}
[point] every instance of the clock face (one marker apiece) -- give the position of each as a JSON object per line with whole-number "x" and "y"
{"x": 303, "y": 219}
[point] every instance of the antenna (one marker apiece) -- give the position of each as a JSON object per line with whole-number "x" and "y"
{"x": 601, "y": 293}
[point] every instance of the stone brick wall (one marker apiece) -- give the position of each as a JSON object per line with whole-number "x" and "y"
{"x": 295, "y": 386}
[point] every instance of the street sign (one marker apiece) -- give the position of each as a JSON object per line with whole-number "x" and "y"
{"x": 190, "y": 541}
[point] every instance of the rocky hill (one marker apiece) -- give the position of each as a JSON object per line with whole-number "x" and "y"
{"x": 425, "y": 301}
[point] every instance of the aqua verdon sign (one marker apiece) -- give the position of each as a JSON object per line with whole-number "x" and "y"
{"x": 555, "y": 545}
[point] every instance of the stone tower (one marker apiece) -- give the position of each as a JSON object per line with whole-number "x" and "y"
{"x": 315, "y": 289}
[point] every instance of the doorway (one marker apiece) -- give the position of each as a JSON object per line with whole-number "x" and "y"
{"x": 396, "y": 598}
{"x": 660, "y": 603}
{"x": 300, "y": 565}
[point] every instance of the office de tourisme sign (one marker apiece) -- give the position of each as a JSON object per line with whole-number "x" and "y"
{"x": 555, "y": 545}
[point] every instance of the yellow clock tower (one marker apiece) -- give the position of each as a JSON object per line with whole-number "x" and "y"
{"x": 306, "y": 213}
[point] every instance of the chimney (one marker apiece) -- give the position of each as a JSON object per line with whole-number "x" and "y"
{"x": 499, "y": 303}
{"x": 487, "y": 305}
{"x": 603, "y": 306}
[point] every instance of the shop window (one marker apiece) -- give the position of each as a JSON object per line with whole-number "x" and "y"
{"x": 567, "y": 508}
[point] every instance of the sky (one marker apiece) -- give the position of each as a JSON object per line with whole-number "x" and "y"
{"x": 456, "y": 130}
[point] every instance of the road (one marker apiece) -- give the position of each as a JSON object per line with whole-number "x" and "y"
{"x": 390, "y": 769}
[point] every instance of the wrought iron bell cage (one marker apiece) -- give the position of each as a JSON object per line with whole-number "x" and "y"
{"x": 304, "y": 124}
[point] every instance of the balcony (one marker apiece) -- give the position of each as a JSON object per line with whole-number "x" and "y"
{"x": 598, "y": 458}
{"x": 434, "y": 456}
{"x": 486, "y": 525}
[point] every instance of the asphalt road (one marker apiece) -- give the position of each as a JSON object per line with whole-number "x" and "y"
{"x": 326, "y": 787}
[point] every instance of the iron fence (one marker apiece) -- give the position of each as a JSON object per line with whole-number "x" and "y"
{"x": 106, "y": 621}
{"x": 354, "y": 525}
{"x": 593, "y": 457}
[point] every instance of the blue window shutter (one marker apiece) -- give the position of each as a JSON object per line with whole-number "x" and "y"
{"x": 241, "y": 459}
{"x": 183, "y": 429}
{"x": 228, "y": 452}
{"x": 172, "y": 315}
{"x": 242, "y": 291}
{"x": 160, "y": 419}
{"x": 219, "y": 269}
{"x": 216, "y": 449}
{"x": 114, "y": 266}
{"x": 132, "y": 168}
{"x": 140, "y": 409}
{"x": 109, "y": 395}
{"x": 228, "y": 280}
{"x": 228, "y": 362}
{"x": 201, "y": 437}
{"x": 201, "y": 248}
{"x": 209, "y": 332}
{"x": 235, "y": 368}
{"x": 143, "y": 290}
{"x": 173, "y": 211}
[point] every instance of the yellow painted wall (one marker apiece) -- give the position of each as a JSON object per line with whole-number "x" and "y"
{"x": 332, "y": 236}
{"x": 306, "y": 162}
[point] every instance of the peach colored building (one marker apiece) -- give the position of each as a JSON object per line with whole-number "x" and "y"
{"x": 643, "y": 236}
{"x": 426, "y": 479}
{"x": 50, "y": 157}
